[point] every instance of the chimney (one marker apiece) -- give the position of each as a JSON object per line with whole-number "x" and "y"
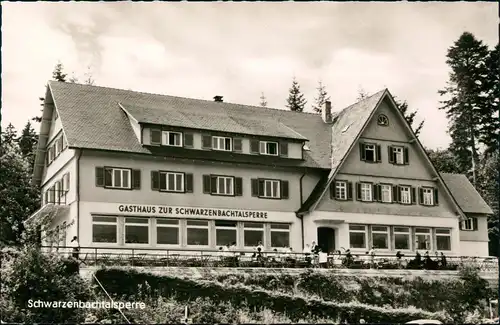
{"x": 326, "y": 112}
{"x": 218, "y": 99}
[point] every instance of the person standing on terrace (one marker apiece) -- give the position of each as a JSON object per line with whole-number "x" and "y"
{"x": 76, "y": 247}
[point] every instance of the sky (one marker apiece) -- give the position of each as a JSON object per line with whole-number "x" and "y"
{"x": 239, "y": 50}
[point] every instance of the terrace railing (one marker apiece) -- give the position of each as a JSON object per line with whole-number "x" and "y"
{"x": 146, "y": 257}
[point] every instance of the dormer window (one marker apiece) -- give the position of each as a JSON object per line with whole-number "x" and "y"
{"x": 268, "y": 148}
{"x": 222, "y": 143}
{"x": 382, "y": 120}
{"x": 173, "y": 139}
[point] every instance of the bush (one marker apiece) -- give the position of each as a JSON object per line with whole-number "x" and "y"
{"x": 30, "y": 275}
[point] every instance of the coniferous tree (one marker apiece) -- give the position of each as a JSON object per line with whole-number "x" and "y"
{"x": 409, "y": 116}
{"x": 490, "y": 121}
{"x": 322, "y": 98}
{"x": 465, "y": 101}
{"x": 443, "y": 160}
{"x": 27, "y": 144}
{"x": 295, "y": 101}
{"x": 58, "y": 75}
{"x": 362, "y": 94}
{"x": 263, "y": 100}
{"x": 10, "y": 134}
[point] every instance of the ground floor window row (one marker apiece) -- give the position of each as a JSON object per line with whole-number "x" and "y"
{"x": 399, "y": 238}
{"x": 188, "y": 232}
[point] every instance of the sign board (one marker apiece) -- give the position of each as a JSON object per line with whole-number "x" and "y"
{"x": 190, "y": 211}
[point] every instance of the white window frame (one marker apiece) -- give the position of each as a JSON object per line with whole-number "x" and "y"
{"x": 66, "y": 183}
{"x": 275, "y": 194}
{"x": 341, "y": 190}
{"x": 50, "y": 154}
{"x": 225, "y": 180}
{"x": 104, "y": 223}
{"x": 467, "y": 224}
{"x": 385, "y": 232}
{"x": 405, "y": 189}
{"x": 263, "y": 230}
{"x": 169, "y": 225}
{"x": 167, "y": 182}
{"x": 442, "y": 234}
{"x": 57, "y": 150}
{"x": 166, "y": 138}
{"x": 235, "y": 228}
{"x": 429, "y": 240}
{"x": 207, "y": 227}
{"x": 123, "y": 171}
{"x": 405, "y": 233}
{"x": 218, "y": 140}
{"x": 146, "y": 225}
{"x": 366, "y": 192}
{"x": 364, "y": 231}
{"x": 285, "y": 230}
{"x": 399, "y": 158}
{"x": 264, "y": 149}
{"x": 371, "y": 147}
{"x": 385, "y": 188}
{"x": 428, "y": 196}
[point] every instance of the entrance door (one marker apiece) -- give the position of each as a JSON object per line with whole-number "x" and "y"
{"x": 326, "y": 239}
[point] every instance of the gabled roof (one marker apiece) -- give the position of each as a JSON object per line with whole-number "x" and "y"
{"x": 466, "y": 195}
{"x": 92, "y": 118}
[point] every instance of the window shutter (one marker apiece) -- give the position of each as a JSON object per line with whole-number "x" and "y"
{"x": 237, "y": 145}
{"x": 474, "y": 224}
{"x": 421, "y": 195}
{"x": 349, "y": 190}
{"x": 188, "y": 180}
{"x": 136, "y": 179}
{"x": 188, "y": 140}
{"x": 206, "y": 142}
{"x": 46, "y": 158}
{"x": 374, "y": 192}
{"x": 284, "y": 190}
{"x": 284, "y": 149}
{"x": 255, "y": 187}
{"x": 358, "y": 191}
{"x": 99, "y": 176}
{"x": 213, "y": 184}
{"x": 362, "y": 153}
{"x": 390, "y": 151}
{"x": 436, "y": 197}
{"x": 206, "y": 184}
{"x": 155, "y": 137}
{"x": 460, "y": 225}
{"x": 395, "y": 193}
{"x": 108, "y": 177}
{"x": 254, "y": 146}
{"x": 46, "y": 197}
{"x": 67, "y": 186}
{"x": 378, "y": 190}
{"x": 413, "y": 195}
{"x": 406, "y": 156}
{"x": 261, "y": 187}
{"x": 379, "y": 153}
{"x": 155, "y": 180}
{"x": 332, "y": 190}
{"x": 238, "y": 186}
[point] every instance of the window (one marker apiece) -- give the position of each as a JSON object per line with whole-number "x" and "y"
{"x": 443, "y": 239}
{"x": 398, "y": 155}
{"x": 341, "y": 190}
{"x": 172, "y": 182}
{"x": 427, "y": 196}
{"x": 136, "y": 231}
{"x": 268, "y": 148}
{"x": 117, "y": 178}
{"x": 280, "y": 235}
{"x": 65, "y": 183}
{"x": 469, "y": 224}
{"x": 104, "y": 229}
{"x": 386, "y": 193}
{"x": 382, "y": 120}
{"x": 221, "y": 143}
{"x": 253, "y": 233}
{"x": 57, "y": 147}
{"x": 365, "y": 192}
{"x": 224, "y": 185}
{"x": 423, "y": 239}
{"x": 167, "y": 231}
{"x": 172, "y": 138}
{"x": 370, "y": 152}
{"x": 197, "y": 232}
{"x": 402, "y": 238}
{"x": 357, "y": 236}
{"x": 380, "y": 237}
{"x": 271, "y": 188}
{"x": 405, "y": 194}
{"x": 225, "y": 232}
{"x": 50, "y": 153}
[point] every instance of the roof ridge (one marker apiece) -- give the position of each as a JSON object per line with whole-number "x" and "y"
{"x": 203, "y": 100}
